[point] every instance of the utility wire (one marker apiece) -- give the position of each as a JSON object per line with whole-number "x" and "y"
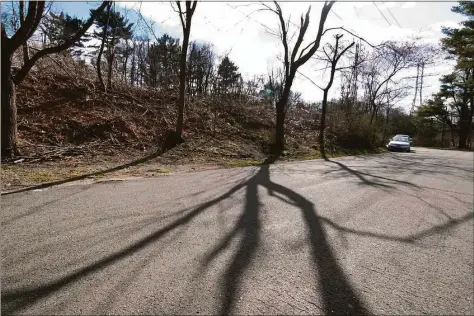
{"x": 334, "y": 12}
{"x": 389, "y": 11}
{"x": 382, "y": 13}
{"x": 266, "y": 27}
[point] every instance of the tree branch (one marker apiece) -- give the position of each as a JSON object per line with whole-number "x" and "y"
{"x": 324, "y": 14}
{"x": 283, "y": 38}
{"x": 304, "y": 26}
{"x": 180, "y": 12}
{"x": 37, "y": 19}
{"x": 353, "y": 34}
{"x": 56, "y": 49}
{"x": 21, "y": 35}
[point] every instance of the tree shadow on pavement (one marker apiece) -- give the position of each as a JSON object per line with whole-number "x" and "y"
{"x": 337, "y": 294}
{"x": 362, "y": 176}
{"x": 12, "y": 301}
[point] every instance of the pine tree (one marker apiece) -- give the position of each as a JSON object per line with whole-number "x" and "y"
{"x": 228, "y": 77}
{"x": 458, "y": 87}
{"x": 116, "y": 28}
{"x": 59, "y": 27}
{"x": 163, "y": 62}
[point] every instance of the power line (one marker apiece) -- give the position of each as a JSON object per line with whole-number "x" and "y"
{"x": 389, "y": 11}
{"x": 382, "y": 13}
{"x": 266, "y": 27}
{"x": 334, "y": 12}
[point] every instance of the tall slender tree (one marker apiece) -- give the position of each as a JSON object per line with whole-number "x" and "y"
{"x": 332, "y": 59}
{"x": 186, "y": 19}
{"x": 114, "y": 28}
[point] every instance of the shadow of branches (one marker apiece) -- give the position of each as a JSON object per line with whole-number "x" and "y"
{"x": 337, "y": 294}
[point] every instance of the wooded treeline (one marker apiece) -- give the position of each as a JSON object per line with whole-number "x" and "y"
{"x": 373, "y": 77}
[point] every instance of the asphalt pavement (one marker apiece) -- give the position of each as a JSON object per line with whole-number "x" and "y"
{"x": 381, "y": 234}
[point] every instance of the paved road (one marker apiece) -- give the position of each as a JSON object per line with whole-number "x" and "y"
{"x": 383, "y": 234}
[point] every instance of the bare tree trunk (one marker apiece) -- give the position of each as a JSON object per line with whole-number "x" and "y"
{"x": 442, "y": 133}
{"x": 125, "y": 63}
{"x": 182, "y": 81}
{"x": 280, "y": 116}
{"x": 101, "y": 49}
{"x": 26, "y": 54}
{"x": 416, "y": 89}
{"x": 132, "y": 66}
{"x": 463, "y": 133}
{"x": 111, "y": 54}
{"x": 471, "y": 114}
{"x": 322, "y": 125}
{"x": 452, "y": 136}
{"x": 9, "y": 110}
{"x": 386, "y": 124}
{"x": 374, "y": 109}
{"x": 110, "y": 62}
{"x": 185, "y": 18}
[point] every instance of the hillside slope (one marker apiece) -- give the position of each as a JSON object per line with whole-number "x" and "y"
{"x": 67, "y": 115}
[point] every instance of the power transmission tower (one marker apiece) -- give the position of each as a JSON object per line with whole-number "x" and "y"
{"x": 421, "y": 82}
{"x": 416, "y": 89}
{"x": 356, "y": 61}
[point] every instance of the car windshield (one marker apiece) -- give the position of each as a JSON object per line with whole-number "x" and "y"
{"x": 401, "y": 139}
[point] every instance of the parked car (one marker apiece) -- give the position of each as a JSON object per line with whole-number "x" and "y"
{"x": 411, "y": 141}
{"x": 400, "y": 143}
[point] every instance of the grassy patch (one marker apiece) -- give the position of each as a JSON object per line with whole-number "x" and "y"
{"x": 306, "y": 154}
{"x": 242, "y": 163}
{"x": 27, "y": 175}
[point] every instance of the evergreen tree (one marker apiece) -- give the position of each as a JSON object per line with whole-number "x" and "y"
{"x": 163, "y": 62}
{"x": 458, "y": 87}
{"x": 116, "y": 28}
{"x": 227, "y": 75}
{"x": 200, "y": 68}
{"x": 57, "y": 28}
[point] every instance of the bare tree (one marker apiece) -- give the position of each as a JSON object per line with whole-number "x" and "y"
{"x": 333, "y": 60}
{"x": 293, "y": 60}
{"x": 386, "y": 62}
{"x": 9, "y": 80}
{"x": 185, "y": 17}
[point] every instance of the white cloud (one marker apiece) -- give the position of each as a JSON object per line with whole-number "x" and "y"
{"x": 235, "y": 27}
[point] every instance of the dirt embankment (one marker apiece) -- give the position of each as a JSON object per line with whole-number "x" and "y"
{"x": 67, "y": 126}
